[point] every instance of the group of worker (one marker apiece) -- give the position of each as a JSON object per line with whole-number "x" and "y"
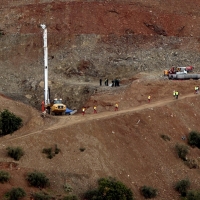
{"x": 114, "y": 82}
{"x": 95, "y": 109}
{"x": 175, "y": 94}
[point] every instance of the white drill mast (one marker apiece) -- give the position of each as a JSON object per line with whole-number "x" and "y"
{"x": 46, "y": 95}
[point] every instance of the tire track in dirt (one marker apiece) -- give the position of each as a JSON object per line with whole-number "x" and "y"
{"x": 75, "y": 119}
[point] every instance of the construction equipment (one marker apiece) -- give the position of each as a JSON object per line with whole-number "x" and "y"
{"x": 183, "y": 76}
{"x": 179, "y": 70}
{"x": 56, "y": 106}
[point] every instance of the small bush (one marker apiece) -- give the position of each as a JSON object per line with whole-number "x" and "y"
{"x": 148, "y": 192}
{"x": 4, "y": 176}
{"x": 82, "y": 149}
{"x": 57, "y": 150}
{"x": 67, "y": 188}
{"x": 194, "y": 139}
{"x": 165, "y": 137}
{"x": 110, "y": 188}
{"x": 15, "y": 194}
{"x": 192, "y": 164}
{"x": 41, "y": 196}
{"x": 15, "y": 152}
{"x": 70, "y": 197}
{"x": 182, "y": 187}
{"x": 193, "y": 195}
{"x": 9, "y": 123}
{"x": 38, "y": 179}
{"x": 182, "y": 151}
{"x": 50, "y": 152}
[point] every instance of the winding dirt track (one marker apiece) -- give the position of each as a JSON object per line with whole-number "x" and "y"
{"x": 65, "y": 121}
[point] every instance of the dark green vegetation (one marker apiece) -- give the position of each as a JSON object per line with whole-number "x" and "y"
{"x": 148, "y": 192}
{"x": 165, "y": 137}
{"x": 38, "y": 179}
{"x": 4, "y": 176}
{"x": 15, "y": 194}
{"x": 182, "y": 151}
{"x": 15, "y": 152}
{"x": 110, "y": 189}
{"x": 193, "y": 195}
{"x": 41, "y": 196}
{"x": 182, "y": 187}
{"x": 194, "y": 139}
{"x": 70, "y": 197}
{"x": 9, "y": 123}
{"x": 51, "y": 152}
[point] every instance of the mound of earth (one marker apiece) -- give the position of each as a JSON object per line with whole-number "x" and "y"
{"x": 125, "y": 144}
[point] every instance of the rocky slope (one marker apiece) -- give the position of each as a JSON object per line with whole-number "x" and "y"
{"x": 126, "y": 144}
{"x": 88, "y": 40}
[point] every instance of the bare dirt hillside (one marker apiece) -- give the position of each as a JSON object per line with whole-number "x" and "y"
{"x": 125, "y": 144}
{"x": 131, "y": 40}
{"x": 89, "y": 40}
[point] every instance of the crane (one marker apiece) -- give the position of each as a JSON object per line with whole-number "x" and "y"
{"x": 56, "y": 106}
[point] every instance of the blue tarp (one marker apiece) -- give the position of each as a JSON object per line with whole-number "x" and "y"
{"x": 68, "y": 111}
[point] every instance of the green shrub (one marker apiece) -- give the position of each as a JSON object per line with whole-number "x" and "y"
{"x": 9, "y": 123}
{"x": 15, "y": 152}
{"x": 67, "y": 188}
{"x": 50, "y": 152}
{"x": 192, "y": 163}
{"x": 148, "y": 192}
{"x": 182, "y": 187}
{"x": 165, "y": 137}
{"x": 70, "y": 197}
{"x": 109, "y": 188}
{"x": 194, "y": 139}
{"x": 82, "y": 149}
{"x": 57, "y": 150}
{"x": 182, "y": 151}
{"x": 4, "y": 176}
{"x": 15, "y": 194}
{"x": 38, "y": 179}
{"x": 193, "y": 195}
{"x": 41, "y": 196}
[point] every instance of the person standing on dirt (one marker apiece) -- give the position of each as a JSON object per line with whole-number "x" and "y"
{"x": 83, "y": 111}
{"x": 116, "y": 107}
{"x": 149, "y": 98}
{"x": 42, "y": 106}
{"x": 100, "y": 82}
{"x": 95, "y": 109}
{"x": 196, "y": 88}
{"x": 106, "y": 82}
{"x": 177, "y": 94}
{"x": 174, "y": 94}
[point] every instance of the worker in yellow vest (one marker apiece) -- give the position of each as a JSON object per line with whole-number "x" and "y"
{"x": 83, "y": 111}
{"x": 174, "y": 94}
{"x": 177, "y": 94}
{"x": 95, "y": 109}
{"x": 116, "y": 107}
{"x": 149, "y": 98}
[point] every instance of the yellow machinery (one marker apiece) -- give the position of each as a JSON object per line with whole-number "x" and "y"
{"x": 56, "y": 107}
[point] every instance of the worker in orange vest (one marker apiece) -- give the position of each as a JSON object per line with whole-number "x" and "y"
{"x": 149, "y": 98}
{"x": 83, "y": 111}
{"x": 42, "y": 106}
{"x": 116, "y": 107}
{"x": 95, "y": 109}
